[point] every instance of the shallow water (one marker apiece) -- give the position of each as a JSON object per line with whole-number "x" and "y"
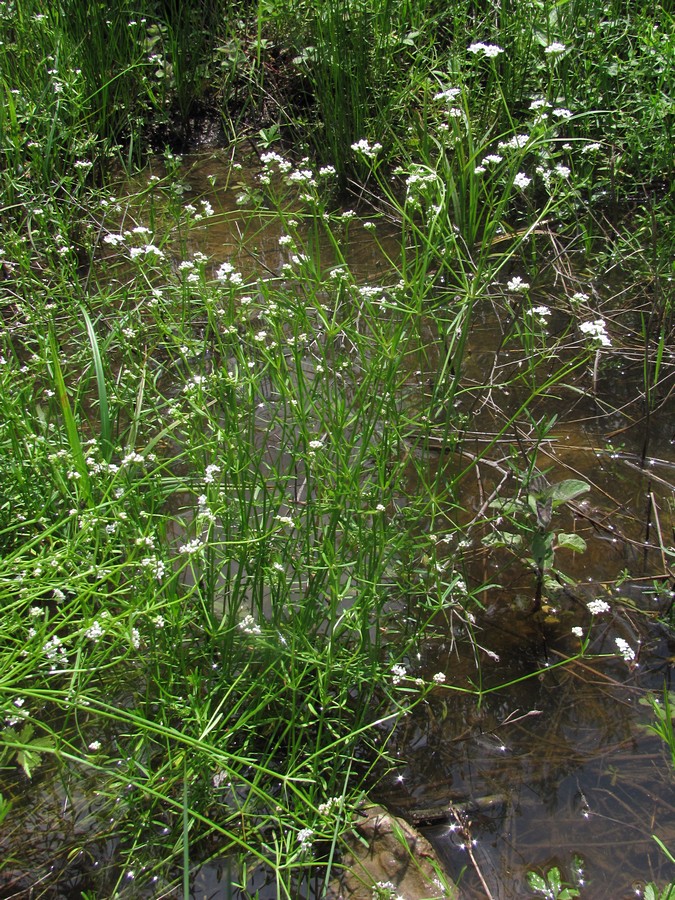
{"x": 555, "y": 767}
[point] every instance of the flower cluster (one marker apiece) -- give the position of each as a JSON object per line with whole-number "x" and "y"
{"x": 304, "y": 837}
{"x": 517, "y": 286}
{"x": 625, "y": 649}
{"x": 398, "y": 672}
{"x": 365, "y": 148}
{"x": 488, "y": 50}
{"x": 249, "y": 625}
{"x": 596, "y": 607}
{"x": 596, "y": 331}
{"x": 226, "y": 274}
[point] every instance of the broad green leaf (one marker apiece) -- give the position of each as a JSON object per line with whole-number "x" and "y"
{"x": 567, "y": 490}
{"x": 5, "y": 806}
{"x": 537, "y": 883}
{"x": 571, "y": 541}
{"x": 554, "y": 879}
{"x": 542, "y": 550}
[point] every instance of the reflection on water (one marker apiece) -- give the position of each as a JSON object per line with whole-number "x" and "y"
{"x": 554, "y": 768}
{"x": 251, "y": 240}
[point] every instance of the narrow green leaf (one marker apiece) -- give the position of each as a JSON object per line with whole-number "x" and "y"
{"x": 68, "y": 418}
{"x": 106, "y": 429}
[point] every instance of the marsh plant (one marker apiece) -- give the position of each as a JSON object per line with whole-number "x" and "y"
{"x": 233, "y": 484}
{"x": 531, "y": 532}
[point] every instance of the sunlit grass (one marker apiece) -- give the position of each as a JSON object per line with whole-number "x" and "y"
{"x": 223, "y": 538}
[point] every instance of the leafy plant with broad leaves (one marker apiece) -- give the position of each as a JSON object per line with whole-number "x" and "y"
{"x": 28, "y": 749}
{"x": 531, "y": 513}
{"x": 551, "y": 885}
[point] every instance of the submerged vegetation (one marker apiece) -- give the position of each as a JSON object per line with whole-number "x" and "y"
{"x": 240, "y": 488}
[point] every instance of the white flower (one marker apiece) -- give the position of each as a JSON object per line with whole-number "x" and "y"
{"x": 227, "y": 275}
{"x": 94, "y": 632}
{"x": 625, "y": 649}
{"x": 316, "y": 445}
{"x": 367, "y": 149}
{"x": 301, "y": 176}
{"x": 577, "y": 631}
{"x": 193, "y": 546}
{"x": 493, "y": 158}
{"x": 285, "y": 520}
{"x": 304, "y": 837}
{"x": 440, "y": 677}
{"x": 555, "y": 49}
{"x": 517, "y": 285}
{"x": 541, "y": 311}
{"x": 210, "y": 473}
{"x": 595, "y": 607}
{"x": 155, "y": 566}
{"x": 94, "y": 746}
{"x": 249, "y": 626}
{"x": 135, "y": 638}
{"x": 521, "y": 181}
{"x": 448, "y": 95}
{"x": 489, "y": 50}
{"x": 325, "y": 808}
{"x": 563, "y": 171}
{"x": 596, "y": 331}
{"x": 517, "y": 142}
{"x": 131, "y": 457}
{"x": 398, "y": 672}
{"x": 562, "y": 113}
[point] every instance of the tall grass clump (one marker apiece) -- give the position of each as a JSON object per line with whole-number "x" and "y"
{"x": 202, "y": 546}
{"x": 217, "y": 523}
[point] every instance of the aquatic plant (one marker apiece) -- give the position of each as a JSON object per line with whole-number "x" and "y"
{"x": 234, "y": 485}
{"x": 551, "y": 885}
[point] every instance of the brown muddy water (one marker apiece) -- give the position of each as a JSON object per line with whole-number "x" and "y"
{"x": 556, "y": 769}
